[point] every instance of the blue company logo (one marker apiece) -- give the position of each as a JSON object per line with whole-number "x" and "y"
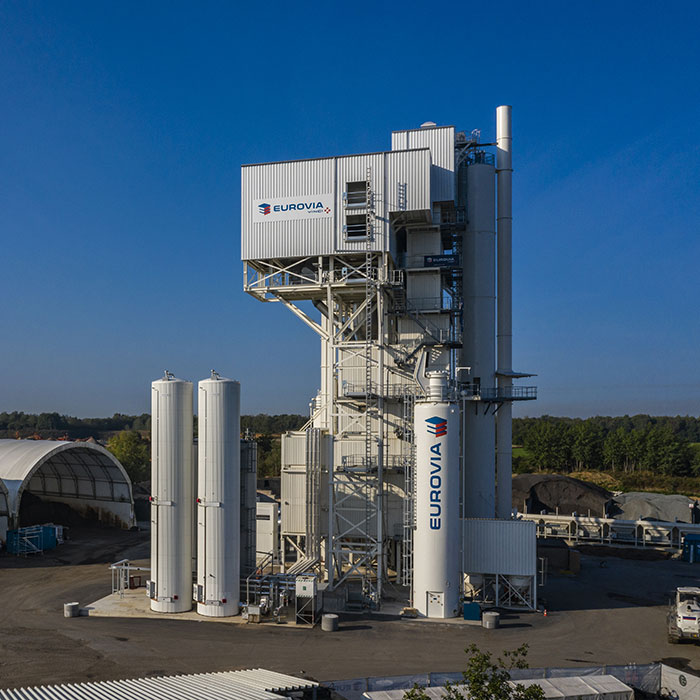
{"x": 436, "y": 426}
{"x": 309, "y": 207}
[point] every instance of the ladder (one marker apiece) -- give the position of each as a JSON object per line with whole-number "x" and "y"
{"x": 372, "y": 513}
{"x": 409, "y": 516}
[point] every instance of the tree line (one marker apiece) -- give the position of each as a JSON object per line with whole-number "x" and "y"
{"x": 660, "y": 444}
{"x": 51, "y": 425}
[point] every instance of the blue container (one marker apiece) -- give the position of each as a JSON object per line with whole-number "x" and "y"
{"x": 49, "y": 540}
{"x": 691, "y": 549}
{"x": 471, "y": 611}
{"x": 31, "y": 540}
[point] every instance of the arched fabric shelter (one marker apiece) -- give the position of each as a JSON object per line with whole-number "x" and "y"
{"x": 83, "y": 475}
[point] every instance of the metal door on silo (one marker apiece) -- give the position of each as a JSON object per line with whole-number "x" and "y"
{"x": 436, "y": 604}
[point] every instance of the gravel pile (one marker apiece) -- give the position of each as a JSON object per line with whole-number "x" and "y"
{"x": 653, "y": 506}
{"x": 537, "y": 492}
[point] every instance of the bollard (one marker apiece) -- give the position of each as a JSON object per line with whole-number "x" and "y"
{"x": 490, "y": 620}
{"x": 71, "y": 609}
{"x": 329, "y": 623}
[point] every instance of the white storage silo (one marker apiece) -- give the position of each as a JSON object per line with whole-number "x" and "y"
{"x": 170, "y": 587}
{"x": 218, "y": 497}
{"x": 437, "y": 538}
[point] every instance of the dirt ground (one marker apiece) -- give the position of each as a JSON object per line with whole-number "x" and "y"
{"x": 613, "y": 612}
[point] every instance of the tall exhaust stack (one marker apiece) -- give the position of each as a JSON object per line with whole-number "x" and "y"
{"x": 478, "y": 344}
{"x": 504, "y": 417}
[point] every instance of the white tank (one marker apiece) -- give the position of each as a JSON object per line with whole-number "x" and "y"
{"x": 436, "y": 553}
{"x": 219, "y": 497}
{"x": 479, "y": 336}
{"x": 170, "y": 587}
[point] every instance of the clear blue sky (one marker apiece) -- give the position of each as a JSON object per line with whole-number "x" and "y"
{"x": 123, "y": 126}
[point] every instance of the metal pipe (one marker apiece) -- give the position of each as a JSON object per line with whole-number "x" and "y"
{"x": 504, "y": 227}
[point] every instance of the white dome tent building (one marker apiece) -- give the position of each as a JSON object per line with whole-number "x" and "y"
{"x": 83, "y": 475}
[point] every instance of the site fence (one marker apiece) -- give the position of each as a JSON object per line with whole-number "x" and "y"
{"x": 644, "y": 677}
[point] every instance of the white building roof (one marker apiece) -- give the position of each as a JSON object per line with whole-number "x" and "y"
{"x": 252, "y": 684}
{"x": 67, "y": 463}
{"x": 604, "y": 687}
{"x": 581, "y": 688}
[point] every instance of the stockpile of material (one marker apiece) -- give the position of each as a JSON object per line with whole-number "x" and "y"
{"x": 537, "y": 492}
{"x": 652, "y": 506}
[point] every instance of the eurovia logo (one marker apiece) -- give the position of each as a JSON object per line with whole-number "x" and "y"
{"x": 436, "y": 426}
{"x": 264, "y": 209}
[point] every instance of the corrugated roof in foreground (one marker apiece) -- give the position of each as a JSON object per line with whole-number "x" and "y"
{"x": 251, "y": 684}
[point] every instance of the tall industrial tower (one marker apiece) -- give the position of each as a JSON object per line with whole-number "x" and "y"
{"x": 396, "y": 261}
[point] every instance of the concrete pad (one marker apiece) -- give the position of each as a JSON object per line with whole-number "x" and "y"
{"x": 135, "y": 604}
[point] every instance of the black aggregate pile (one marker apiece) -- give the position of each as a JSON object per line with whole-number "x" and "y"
{"x": 535, "y": 493}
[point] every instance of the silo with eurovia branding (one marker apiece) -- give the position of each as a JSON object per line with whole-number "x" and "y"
{"x": 437, "y": 566}
{"x": 218, "y": 497}
{"x": 170, "y": 587}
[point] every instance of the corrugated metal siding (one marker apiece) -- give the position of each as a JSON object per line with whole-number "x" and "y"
{"x": 424, "y": 287}
{"x": 286, "y": 238}
{"x": 423, "y": 243}
{"x": 500, "y": 547}
{"x": 293, "y": 489}
{"x": 293, "y": 449}
{"x": 254, "y": 684}
{"x": 408, "y": 181}
{"x": 401, "y": 181}
{"x": 441, "y": 142}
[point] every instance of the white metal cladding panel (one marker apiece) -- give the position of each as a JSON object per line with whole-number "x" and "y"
{"x": 293, "y": 504}
{"x": 401, "y": 182}
{"x": 293, "y": 449}
{"x": 500, "y": 547}
{"x": 408, "y": 180}
{"x": 267, "y": 536}
{"x": 419, "y": 243}
{"x": 424, "y": 286}
{"x": 295, "y": 238}
{"x": 441, "y": 142}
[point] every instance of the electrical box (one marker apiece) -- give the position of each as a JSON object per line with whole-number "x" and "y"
{"x": 306, "y": 587}
{"x": 254, "y": 614}
{"x": 151, "y": 589}
{"x": 197, "y": 593}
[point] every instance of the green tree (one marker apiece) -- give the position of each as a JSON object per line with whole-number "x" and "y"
{"x": 549, "y": 443}
{"x": 587, "y": 447}
{"x": 133, "y": 452}
{"x": 486, "y": 678}
{"x": 269, "y": 456}
{"x": 614, "y": 449}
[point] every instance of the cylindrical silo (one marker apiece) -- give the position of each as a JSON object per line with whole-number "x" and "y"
{"x": 479, "y": 335}
{"x": 437, "y": 538}
{"x": 170, "y": 587}
{"x": 218, "y": 497}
